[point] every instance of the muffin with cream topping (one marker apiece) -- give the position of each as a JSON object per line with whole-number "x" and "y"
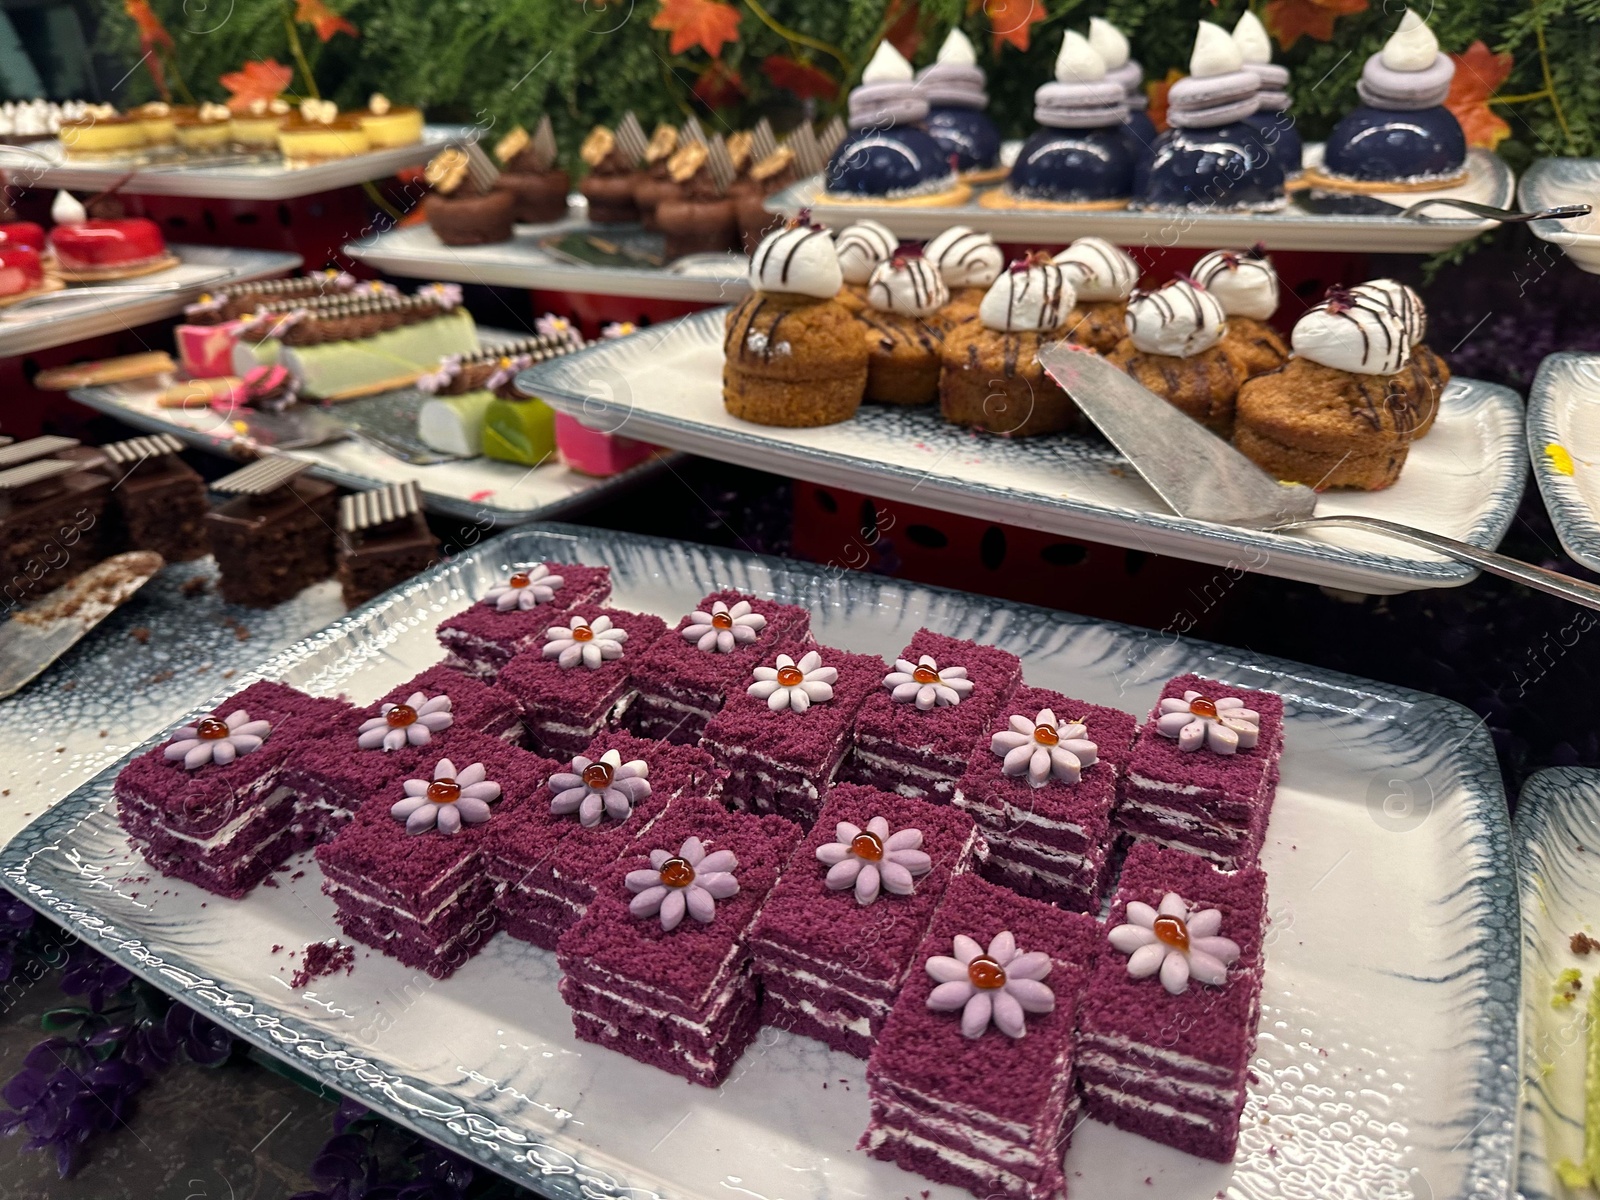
{"x": 969, "y": 263}
{"x": 1174, "y": 348}
{"x": 1246, "y": 286}
{"x": 902, "y": 334}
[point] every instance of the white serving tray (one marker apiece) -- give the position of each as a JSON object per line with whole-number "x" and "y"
{"x": 416, "y": 252}
{"x": 1564, "y": 412}
{"x": 1489, "y": 181}
{"x": 1557, "y": 839}
{"x": 80, "y": 313}
{"x": 664, "y": 385}
{"x": 1554, "y": 181}
{"x": 1387, "y": 1051}
{"x": 45, "y": 165}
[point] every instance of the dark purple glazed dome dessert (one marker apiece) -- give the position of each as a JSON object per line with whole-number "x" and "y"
{"x": 1272, "y": 119}
{"x": 953, "y": 85}
{"x": 1211, "y": 157}
{"x": 1401, "y": 132}
{"x": 887, "y": 152}
{"x": 1082, "y": 154}
{"x": 1111, "y": 45}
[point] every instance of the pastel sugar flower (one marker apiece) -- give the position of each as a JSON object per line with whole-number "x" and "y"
{"x": 1043, "y": 749}
{"x": 552, "y": 326}
{"x": 723, "y": 628}
{"x": 435, "y": 381}
{"x": 690, "y": 881}
{"x": 447, "y": 801}
{"x": 525, "y": 589}
{"x": 925, "y": 684}
{"x": 1175, "y": 943}
{"x": 1222, "y": 726}
{"x": 580, "y": 641}
{"x": 873, "y": 858}
{"x": 412, "y": 723}
{"x": 794, "y": 685}
{"x": 596, "y": 787}
{"x": 217, "y": 739}
{"x": 1001, "y": 985}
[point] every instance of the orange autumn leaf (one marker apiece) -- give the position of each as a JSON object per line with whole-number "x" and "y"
{"x": 151, "y": 31}
{"x": 717, "y": 86}
{"x": 256, "y": 81}
{"x": 803, "y": 79}
{"x": 1290, "y": 20}
{"x": 1157, "y": 92}
{"x": 1012, "y": 20}
{"x": 704, "y": 23}
{"x": 323, "y": 19}
{"x": 1479, "y": 74}
{"x": 904, "y": 31}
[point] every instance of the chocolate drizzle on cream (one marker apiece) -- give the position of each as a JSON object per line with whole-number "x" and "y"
{"x": 1243, "y": 281}
{"x": 799, "y": 259}
{"x": 908, "y": 285}
{"x": 1179, "y": 319}
{"x": 1032, "y": 296}
{"x": 1100, "y": 270}
{"x": 861, "y": 247}
{"x": 965, "y": 258}
{"x": 1360, "y": 330}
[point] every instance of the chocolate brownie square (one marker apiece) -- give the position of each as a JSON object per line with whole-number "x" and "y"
{"x": 270, "y": 547}
{"x": 159, "y": 500}
{"x": 831, "y": 963}
{"x": 1165, "y": 1053}
{"x": 515, "y": 613}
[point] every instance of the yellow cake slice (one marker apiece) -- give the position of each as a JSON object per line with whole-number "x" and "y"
{"x": 319, "y": 132}
{"x": 390, "y": 124}
{"x": 102, "y": 133}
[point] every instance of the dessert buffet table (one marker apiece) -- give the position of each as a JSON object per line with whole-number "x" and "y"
{"x": 485, "y": 1062}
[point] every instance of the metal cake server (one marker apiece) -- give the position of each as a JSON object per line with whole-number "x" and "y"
{"x": 41, "y": 633}
{"x": 1202, "y": 477}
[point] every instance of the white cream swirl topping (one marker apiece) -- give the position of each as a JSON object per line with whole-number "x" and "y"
{"x": 1108, "y": 42}
{"x": 965, "y": 258}
{"x": 1412, "y": 46}
{"x": 1353, "y": 331}
{"x": 1242, "y": 281}
{"x": 1028, "y": 298}
{"x": 1178, "y": 319}
{"x": 1402, "y": 301}
{"x": 798, "y": 260}
{"x": 1098, "y": 270}
{"x": 1078, "y": 62}
{"x": 888, "y": 65}
{"x": 957, "y": 50}
{"x": 909, "y": 286}
{"x": 1215, "y": 52}
{"x": 1250, "y": 36}
{"x": 861, "y": 247}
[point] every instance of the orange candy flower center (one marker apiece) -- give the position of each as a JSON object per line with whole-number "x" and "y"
{"x": 520, "y": 580}
{"x": 400, "y": 716}
{"x": 925, "y": 675}
{"x": 676, "y": 872}
{"x": 721, "y": 620}
{"x": 210, "y": 729}
{"x": 1046, "y": 735}
{"x": 789, "y": 676}
{"x": 866, "y": 845}
{"x": 444, "y": 791}
{"x": 598, "y": 775}
{"x": 583, "y": 634}
{"x": 1172, "y": 931}
{"x": 1201, "y": 707}
{"x": 986, "y": 974}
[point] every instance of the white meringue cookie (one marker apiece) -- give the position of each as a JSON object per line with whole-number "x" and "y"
{"x": 1035, "y": 298}
{"x": 965, "y": 258}
{"x": 1244, "y": 284}
{"x": 910, "y": 287}
{"x": 1353, "y": 332}
{"x": 798, "y": 260}
{"x": 1179, "y": 320}
{"x": 1098, "y": 270}
{"x": 1412, "y": 46}
{"x": 862, "y": 247}
{"x": 1108, "y": 42}
{"x": 1215, "y": 52}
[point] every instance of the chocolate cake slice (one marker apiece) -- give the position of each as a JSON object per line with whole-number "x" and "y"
{"x": 275, "y": 536}
{"x": 383, "y": 540}
{"x": 159, "y": 499}
{"x": 52, "y": 517}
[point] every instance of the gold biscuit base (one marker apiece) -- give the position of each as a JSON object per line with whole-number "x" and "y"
{"x": 1000, "y": 198}
{"x": 1314, "y": 178}
{"x": 133, "y": 271}
{"x": 958, "y": 194}
{"x": 986, "y": 175}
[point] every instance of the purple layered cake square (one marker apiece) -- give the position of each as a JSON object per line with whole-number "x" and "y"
{"x": 1204, "y": 771}
{"x": 659, "y": 967}
{"x": 209, "y": 806}
{"x": 971, "y": 1082}
{"x": 1169, "y": 1022}
{"x": 838, "y": 936}
{"x": 516, "y": 612}
{"x": 709, "y": 654}
{"x": 355, "y": 759}
{"x": 914, "y": 736}
{"x": 414, "y": 885}
{"x": 578, "y": 678}
{"x": 1042, "y": 786}
{"x": 785, "y": 730}
{"x": 547, "y": 855}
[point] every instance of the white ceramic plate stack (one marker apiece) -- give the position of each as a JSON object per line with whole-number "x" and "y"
{"x": 1555, "y": 181}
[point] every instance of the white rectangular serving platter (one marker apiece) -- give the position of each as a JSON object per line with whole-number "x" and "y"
{"x": 1564, "y": 446}
{"x": 1557, "y": 839}
{"x": 1554, "y": 181}
{"x": 1386, "y": 1061}
{"x": 45, "y": 165}
{"x": 415, "y": 251}
{"x": 664, "y": 385}
{"x": 78, "y": 312}
{"x": 1489, "y": 181}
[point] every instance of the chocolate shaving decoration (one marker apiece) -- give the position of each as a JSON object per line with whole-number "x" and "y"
{"x": 662, "y": 143}
{"x": 772, "y": 164}
{"x": 262, "y": 477}
{"x": 21, "y": 452}
{"x": 762, "y": 142}
{"x": 136, "y": 450}
{"x": 544, "y": 143}
{"x": 597, "y": 146}
{"x": 480, "y": 168}
{"x": 381, "y": 506}
{"x": 447, "y": 170}
{"x": 808, "y": 156}
{"x": 721, "y": 164}
{"x": 631, "y": 140}
{"x": 687, "y": 160}
{"x": 29, "y": 474}
{"x": 830, "y": 137}
{"x": 739, "y": 143}
{"x": 691, "y": 131}
{"x": 513, "y": 144}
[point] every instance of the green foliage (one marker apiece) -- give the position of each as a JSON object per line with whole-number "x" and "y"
{"x": 504, "y": 62}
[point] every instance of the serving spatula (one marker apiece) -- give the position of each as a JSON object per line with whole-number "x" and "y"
{"x": 1202, "y": 477}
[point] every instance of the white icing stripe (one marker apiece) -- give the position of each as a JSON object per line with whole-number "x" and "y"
{"x": 1123, "y": 1046}
{"x": 227, "y": 833}
{"x": 1167, "y": 1111}
{"x": 828, "y": 1020}
{"x": 1205, "y": 1093}
{"x": 1000, "y": 1152}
